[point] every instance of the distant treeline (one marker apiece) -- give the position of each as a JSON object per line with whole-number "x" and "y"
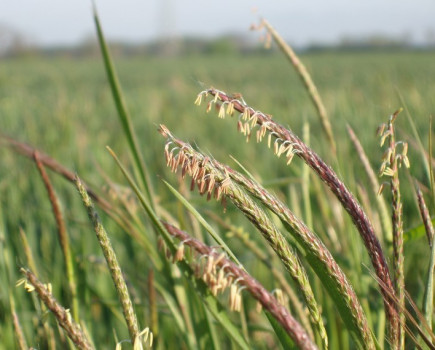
{"x": 226, "y": 45}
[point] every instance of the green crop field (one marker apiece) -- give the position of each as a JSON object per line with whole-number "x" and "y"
{"x": 64, "y": 107}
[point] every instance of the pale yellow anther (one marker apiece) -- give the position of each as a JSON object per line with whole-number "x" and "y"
{"x": 281, "y": 149}
{"x": 258, "y": 136}
{"x": 219, "y": 258}
{"x": 242, "y": 128}
{"x": 230, "y": 108}
{"x": 405, "y": 149}
{"x": 233, "y": 296}
{"x": 247, "y": 129}
{"x": 388, "y": 172}
{"x": 198, "y": 99}
{"x": 179, "y": 254}
{"x": 238, "y": 302}
{"x": 275, "y": 147}
{"x": 290, "y": 151}
{"x": 254, "y": 119}
{"x": 210, "y": 263}
{"x": 245, "y": 115}
{"x": 381, "y": 189}
{"x": 263, "y": 130}
{"x": 221, "y": 112}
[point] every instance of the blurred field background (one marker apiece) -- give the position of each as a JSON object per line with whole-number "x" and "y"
{"x": 62, "y": 105}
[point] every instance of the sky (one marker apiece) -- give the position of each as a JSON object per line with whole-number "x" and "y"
{"x": 302, "y": 22}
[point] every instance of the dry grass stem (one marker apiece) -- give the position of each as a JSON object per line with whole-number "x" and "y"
{"x": 63, "y": 316}
{"x": 62, "y": 234}
{"x": 19, "y": 334}
{"x": 113, "y": 211}
{"x": 425, "y": 216}
{"x": 221, "y": 273}
{"x": 29, "y": 151}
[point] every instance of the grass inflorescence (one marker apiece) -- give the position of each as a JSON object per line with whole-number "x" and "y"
{"x": 279, "y": 262}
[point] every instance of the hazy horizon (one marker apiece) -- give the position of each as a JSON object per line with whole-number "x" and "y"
{"x": 54, "y": 23}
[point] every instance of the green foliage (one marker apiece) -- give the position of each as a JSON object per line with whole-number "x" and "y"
{"x": 65, "y": 108}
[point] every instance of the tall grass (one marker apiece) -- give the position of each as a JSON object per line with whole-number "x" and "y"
{"x": 248, "y": 270}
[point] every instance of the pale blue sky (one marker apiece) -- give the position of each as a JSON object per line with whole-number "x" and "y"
{"x": 51, "y": 22}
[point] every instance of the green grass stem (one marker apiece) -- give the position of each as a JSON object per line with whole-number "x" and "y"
{"x": 429, "y": 285}
{"x": 112, "y": 262}
{"x": 123, "y": 113}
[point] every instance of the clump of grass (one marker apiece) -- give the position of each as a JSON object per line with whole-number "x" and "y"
{"x": 214, "y": 182}
{"x": 215, "y": 179}
{"x": 289, "y": 144}
{"x": 184, "y": 309}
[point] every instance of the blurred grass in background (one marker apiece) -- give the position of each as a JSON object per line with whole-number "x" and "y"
{"x": 64, "y": 107}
